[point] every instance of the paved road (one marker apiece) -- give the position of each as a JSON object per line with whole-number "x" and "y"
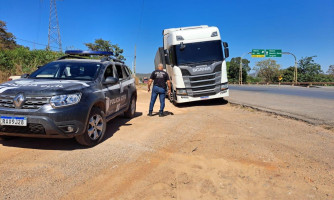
{"x": 315, "y": 105}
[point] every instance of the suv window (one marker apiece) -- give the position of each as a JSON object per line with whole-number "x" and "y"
{"x": 109, "y": 72}
{"x": 119, "y": 71}
{"x": 67, "y": 70}
{"x": 126, "y": 70}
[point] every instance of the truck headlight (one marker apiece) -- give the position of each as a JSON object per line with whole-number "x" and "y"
{"x": 224, "y": 86}
{"x": 65, "y": 100}
{"x": 181, "y": 92}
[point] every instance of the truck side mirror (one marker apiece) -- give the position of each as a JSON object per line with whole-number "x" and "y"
{"x": 167, "y": 60}
{"x": 110, "y": 80}
{"x": 226, "y": 52}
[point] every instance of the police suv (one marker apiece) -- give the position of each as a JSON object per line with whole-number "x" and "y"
{"x": 74, "y": 96}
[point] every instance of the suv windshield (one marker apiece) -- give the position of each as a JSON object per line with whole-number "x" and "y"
{"x": 199, "y": 52}
{"x": 67, "y": 70}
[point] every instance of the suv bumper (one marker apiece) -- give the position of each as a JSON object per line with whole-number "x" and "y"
{"x": 46, "y": 122}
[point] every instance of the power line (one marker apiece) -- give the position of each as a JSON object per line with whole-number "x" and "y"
{"x": 32, "y": 42}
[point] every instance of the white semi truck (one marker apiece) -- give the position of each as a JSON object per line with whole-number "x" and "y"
{"x": 193, "y": 57}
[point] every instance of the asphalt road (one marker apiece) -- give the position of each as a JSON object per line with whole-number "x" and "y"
{"x": 314, "y": 105}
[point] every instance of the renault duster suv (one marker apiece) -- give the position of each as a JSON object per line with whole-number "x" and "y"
{"x": 71, "y": 97}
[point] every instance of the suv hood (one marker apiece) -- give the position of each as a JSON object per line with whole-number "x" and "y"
{"x": 42, "y": 86}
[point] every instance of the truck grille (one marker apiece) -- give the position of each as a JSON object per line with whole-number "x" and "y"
{"x": 31, "y": 128}
{"x": 203, "y": 85}
{"x": 6, "y": 101}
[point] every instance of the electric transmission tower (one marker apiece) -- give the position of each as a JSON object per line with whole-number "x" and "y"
{"x": 54, "y": 32}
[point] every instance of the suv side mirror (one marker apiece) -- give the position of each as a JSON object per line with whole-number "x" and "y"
{"x": 25, "y": 75}
{"x": 110, "y": 80}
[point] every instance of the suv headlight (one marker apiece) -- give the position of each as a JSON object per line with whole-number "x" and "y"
{"x": 224, "y": 86}
{"x": 181, "y": 92}
{"x": 65, "y": 100}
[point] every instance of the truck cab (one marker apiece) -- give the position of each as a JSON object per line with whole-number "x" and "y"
{"x": 194, "y": 59}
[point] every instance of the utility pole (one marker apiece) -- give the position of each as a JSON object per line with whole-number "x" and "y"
{"x": 134, "y": 63}
{"x": 240, "y": 68}
{"x": 54, "y": 32}
{"x": 295, "y": 75}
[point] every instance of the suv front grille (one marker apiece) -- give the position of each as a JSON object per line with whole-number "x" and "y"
{"x": 31, "y": 128}
{"x": 6, "y": 101}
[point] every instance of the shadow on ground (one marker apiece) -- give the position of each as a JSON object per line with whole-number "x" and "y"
{"x": 64, "y": 144}
{"x": 210, "y": 102}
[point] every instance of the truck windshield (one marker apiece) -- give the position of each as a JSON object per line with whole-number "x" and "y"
{"x": 67, "y": 71}
{"x": 199, "y": 52}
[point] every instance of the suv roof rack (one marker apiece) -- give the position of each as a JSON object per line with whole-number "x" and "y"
{"x": 89, "y": 53}
{"x": 78, "y": 53}
{"x": 111, "y": 58}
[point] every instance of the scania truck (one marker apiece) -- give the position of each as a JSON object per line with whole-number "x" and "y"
{"x": 194, "y": 59}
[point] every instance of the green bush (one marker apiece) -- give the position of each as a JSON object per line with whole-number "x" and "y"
{"x": 22, "y": 60}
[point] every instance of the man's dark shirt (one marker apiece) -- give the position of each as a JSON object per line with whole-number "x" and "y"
{"x": 160, "y": 78}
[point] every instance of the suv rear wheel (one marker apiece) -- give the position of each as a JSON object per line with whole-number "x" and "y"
{"x": 95, "y": 129}
{"x": 131, "y": 111}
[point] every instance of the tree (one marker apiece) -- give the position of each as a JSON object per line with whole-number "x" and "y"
{"x": 105, "y": 45}
{"x": 288, "y": 74}
{"x": 268, "y": 70}
{"x": 233, "y": 68}
{"x": 7, "y": 39}
{"x": 308, "y": 70}
{"x": 331, "y": 70}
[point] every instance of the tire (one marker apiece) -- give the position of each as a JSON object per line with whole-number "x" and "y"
{"x": 95, "y": 129}
{"x": 131, "y": 111}
{"x": 174, "y": 98}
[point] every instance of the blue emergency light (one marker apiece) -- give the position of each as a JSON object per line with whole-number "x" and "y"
{"x": 89, "y": 53}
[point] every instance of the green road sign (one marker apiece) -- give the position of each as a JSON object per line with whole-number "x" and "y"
{"x": 258, "y": 53}
{"x": 274, "y": 53}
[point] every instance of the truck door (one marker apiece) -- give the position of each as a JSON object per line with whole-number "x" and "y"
{"x": 112, "y": 92}
{"x": 123, "y": 78}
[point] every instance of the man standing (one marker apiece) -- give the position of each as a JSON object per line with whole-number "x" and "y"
{"x": 160, "y": 78}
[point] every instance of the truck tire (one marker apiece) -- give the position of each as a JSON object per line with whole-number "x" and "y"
{"x": 95, "y": 129}
{"x": 131, "y": 111}
{"x": 173, "y": 94}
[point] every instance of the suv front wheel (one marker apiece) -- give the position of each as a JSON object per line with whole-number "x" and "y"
{"x": 95, "y": 129}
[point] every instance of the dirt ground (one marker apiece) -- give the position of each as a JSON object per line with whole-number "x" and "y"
{"x": 206, "y": 150}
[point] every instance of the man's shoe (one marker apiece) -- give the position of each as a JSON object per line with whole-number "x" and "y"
{"x": 162, "y": 114}
{"x": 150, "y": 114}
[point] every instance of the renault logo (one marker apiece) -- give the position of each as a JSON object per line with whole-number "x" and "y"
{"x": 19, "y": 100}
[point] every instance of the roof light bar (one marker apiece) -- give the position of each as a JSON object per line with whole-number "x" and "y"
{"x": 87, "y": 53}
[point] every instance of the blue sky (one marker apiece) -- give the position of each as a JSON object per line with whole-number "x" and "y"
{"x": 303, "y": 27}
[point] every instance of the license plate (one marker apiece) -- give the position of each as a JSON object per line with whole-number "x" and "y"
{"x": 205, "y": 97}
{"x": 13, "y": 121}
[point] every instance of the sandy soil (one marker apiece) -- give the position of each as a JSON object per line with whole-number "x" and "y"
{"x": 207, "y": 150}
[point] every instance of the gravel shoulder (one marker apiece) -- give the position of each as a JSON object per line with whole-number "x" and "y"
{"x": 207, "y": 150}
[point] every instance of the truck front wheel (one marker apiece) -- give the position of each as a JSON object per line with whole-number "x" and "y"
{"x": 95, "y": 128}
